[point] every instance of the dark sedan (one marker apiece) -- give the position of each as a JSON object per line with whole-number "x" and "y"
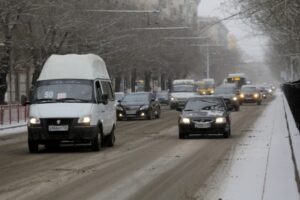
{"x": 203, "y": 116}
{"x": 138, "y": 105}
{"x": 230, "y": 94}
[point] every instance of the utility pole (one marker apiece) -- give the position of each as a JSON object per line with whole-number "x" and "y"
{"x": 207, "y": 62}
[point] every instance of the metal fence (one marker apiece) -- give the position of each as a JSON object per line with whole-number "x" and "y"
{"x": 11, "y": 114}
{"x": 292, "y": 93}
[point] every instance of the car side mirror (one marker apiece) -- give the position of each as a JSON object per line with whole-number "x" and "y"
{"x": 179, "y": 109}
{"x": 24, "y": 100}
{"x": 237, "y": 92}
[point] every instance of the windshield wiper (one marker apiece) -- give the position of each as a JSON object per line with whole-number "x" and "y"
{"x": 46, "y": 99}
{"x": 71, "y": 99}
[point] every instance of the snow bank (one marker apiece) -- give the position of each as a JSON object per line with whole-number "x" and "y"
{"x": 13, "y": 129}
{"x": 261, "y": 165}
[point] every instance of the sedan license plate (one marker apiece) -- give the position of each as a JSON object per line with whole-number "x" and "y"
{"x": 54, "y": 128}
{"x": 203, "y": 125}
{"x": 131, "y": 112}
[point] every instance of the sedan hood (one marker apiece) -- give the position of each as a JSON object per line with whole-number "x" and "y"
{"x": 204, "y": 113}
{"x": 130, "y": 104}
{"x": 183, "y": 94}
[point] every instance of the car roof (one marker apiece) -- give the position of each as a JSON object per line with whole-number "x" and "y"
{"x": 206, "y": 97}
{"x": 139, "y": 93}
{"x": 245, "y": 86}
{"x": 228, "y": 85}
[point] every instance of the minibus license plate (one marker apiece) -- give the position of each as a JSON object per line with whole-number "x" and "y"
{"x": 53, "y": 128}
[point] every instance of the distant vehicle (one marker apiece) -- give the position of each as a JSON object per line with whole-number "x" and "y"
{"x": 162, "y": 97}
{"x": 263, "y": 90}
{"x": 181, "y": 91}
{"x": 141, "y": 105}
{"x": 239, "y": 79}
{"x": 206, "y": 86}
{"x": 72, "y": 101}
{"x": 119, "y": 96}
{"x": 204, "y": 115}
{"x": 250, "y": 94}
{"x": 231, "y": 94}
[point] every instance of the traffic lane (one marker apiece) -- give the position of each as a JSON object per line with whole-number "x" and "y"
{"x": 163, "y": 167}
{"x": 136, "y": 138}
{"x": 16, "y": 163}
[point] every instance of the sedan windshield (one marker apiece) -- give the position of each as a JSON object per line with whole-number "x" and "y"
{"x": 136, "y": 98}
{"x": 78, "y": 91}
{"x": 183, "y": 88}
{"x": 197, "y": 104}
{"x": 225, "y": 90}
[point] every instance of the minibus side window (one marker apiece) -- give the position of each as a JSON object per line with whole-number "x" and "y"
{"x": 107, "y": 90}
{"x": 98, "y": 91}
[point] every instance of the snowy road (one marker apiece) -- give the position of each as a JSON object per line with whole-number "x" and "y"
{"x": 148, "y": 162}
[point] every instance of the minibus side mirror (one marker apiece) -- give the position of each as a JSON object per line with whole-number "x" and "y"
{"x": 24, "y": 100}
{"x": 104, "y": 99}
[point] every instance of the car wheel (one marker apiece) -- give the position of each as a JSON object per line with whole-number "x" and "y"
{"x": 181, "y": 135}
{"x": 158, "y": 113}
{"x": 227, "y": 132}
{"x": 33, "y": 146}
{"x": 97, "y": 141}
{"x": 237, "y": 108}
{"x": 111, "y": 138}
{"x": 150, "y": 115}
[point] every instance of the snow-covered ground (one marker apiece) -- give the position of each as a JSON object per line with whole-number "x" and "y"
{"x": 262, "y": 166}
{"x": 15, "y": 128}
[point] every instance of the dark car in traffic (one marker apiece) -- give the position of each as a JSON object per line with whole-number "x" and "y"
{"x": 162, "y": 97}
{"x": 230, "y": 93}
{"x": 204, "y": 115}
{"x": 141, "y": 105}
{"x": 251, "y": 94}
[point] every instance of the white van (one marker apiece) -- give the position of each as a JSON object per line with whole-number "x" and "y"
{"x": 72, "y": 101}
{"x": 181, "y": 91}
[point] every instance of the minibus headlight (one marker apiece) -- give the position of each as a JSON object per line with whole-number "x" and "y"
{"x": 34, "y": 121}
{"x": 84, "y": 120}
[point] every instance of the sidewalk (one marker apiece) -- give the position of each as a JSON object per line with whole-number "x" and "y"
{"x": 265, "y": 164}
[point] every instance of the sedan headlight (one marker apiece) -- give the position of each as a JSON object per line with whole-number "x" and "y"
{"x": 221, "y": 120}
{"x": 34, "y": 121}
{"x": 242, "y": 96}
{"x": 172, "y": 99}
{"x": 185, "y": 120}
{"x": 84, "y": 120}
{"x": 144, "y": 107}
{"x": 256, "y": 95}
{"x": 234, "y": 98}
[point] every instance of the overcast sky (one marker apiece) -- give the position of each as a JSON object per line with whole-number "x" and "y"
{"x": 253, "y": 46}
